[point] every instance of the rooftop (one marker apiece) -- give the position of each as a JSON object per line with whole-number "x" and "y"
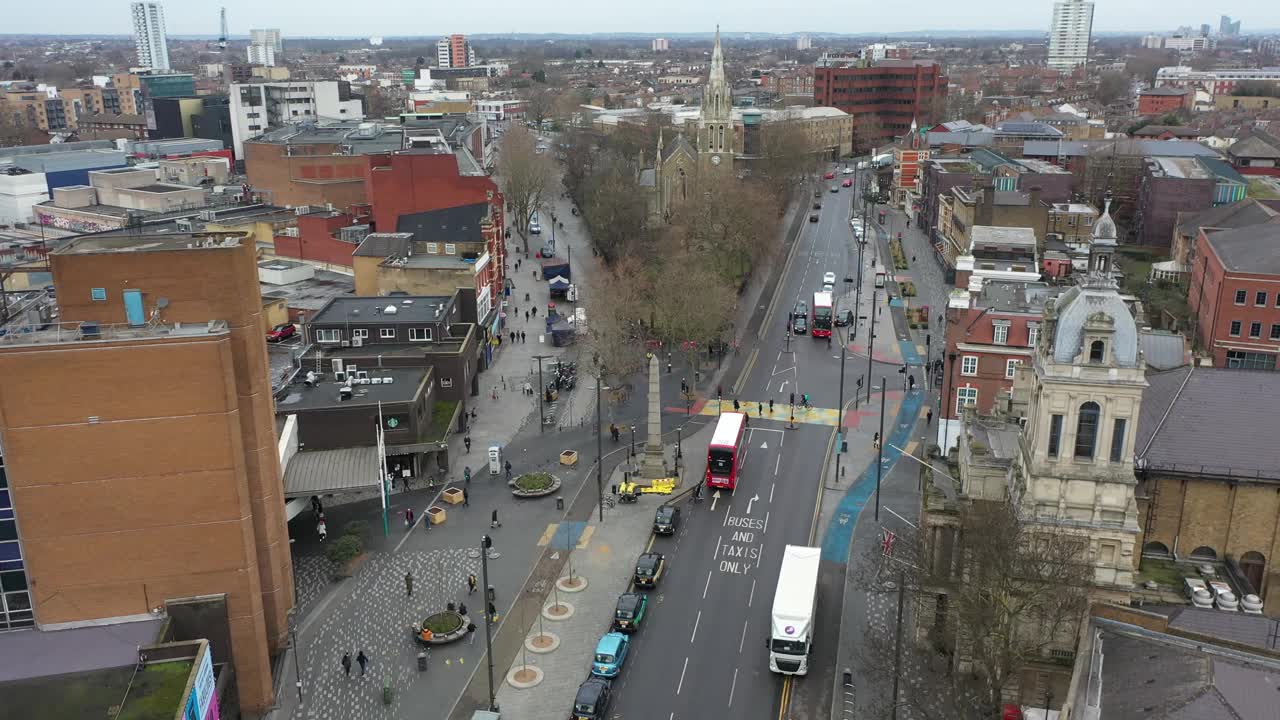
{"x": 313, "y": 293}
{"x": 456, "y": 224}
{"x": 1150, "y": 148}
{"x": 1013, "y": 296}
{"x": 73, "y": 332}
{"x": 386, "y": 385}
{"x": 125, "y": 241}
{"x": 1192, "y": 417}
{"x": 985, "y": 235}
{"x": 1167, "y": 91}
{"x": 1185, "y": 168}
{"x": 1249, "y": 249}
{"x": 1075, "y": 208}
{"x": 407, "y": 309}
{"x": 161, "y": 188}
{"x": 1243, "y": 213}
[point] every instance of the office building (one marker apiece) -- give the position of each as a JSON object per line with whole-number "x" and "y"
{"x": 659, "y": 45}
{"x": 804, "y": 42}
{"x": 259, "y": 106}
{"x": 149, "y": 402}
{"x": 884, "y": 98}
{"x": 1220, "y": 81}
{"x": 454, "y": 51}
{"x": 265, "y": 48}
{"x": 149, "y": 37}
{"x": 1069, "y": 34}
{"x": 1227, "y": 28}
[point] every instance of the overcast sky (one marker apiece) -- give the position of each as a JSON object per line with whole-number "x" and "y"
{"x": 416, "y": 17}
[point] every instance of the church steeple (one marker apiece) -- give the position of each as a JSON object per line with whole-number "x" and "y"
{"x": 717, "y": 100}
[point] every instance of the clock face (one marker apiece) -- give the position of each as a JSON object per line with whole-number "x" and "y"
{"x": 715, "y": 159}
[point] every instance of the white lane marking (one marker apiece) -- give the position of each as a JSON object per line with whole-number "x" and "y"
{"x": 733, "y": 686}
{"x": 717, "y": 552}
{"x": 751, "y": 598}
{"x": 726, "y": 513}
{"x": 891, "y": 512}
{"x": 776, "y": 371}
{"x": 686, "y": 667}
{"x": 772, "y": 486}
{"x": 777, "y": 464}
{"x": 695, "y": 627}
{"x": 744, "y": 636}
{"x": 766, "y": 522}
{"x": 707, "y": 586}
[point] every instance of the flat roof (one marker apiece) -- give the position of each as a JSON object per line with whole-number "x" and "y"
{"x": 313, "y": 293}
{"x": 71, "y": 332}
{"x": 991, "y": 235}
{"x": 77, "y": 650}
{"x": 124, "y": 241}
{"x": 1186, "y": 168}
{"x": 161, "y": 188}
{"x": 408, "y": 309}
{"x": 1014, "y": 296}
{"x": 403, "y": 387}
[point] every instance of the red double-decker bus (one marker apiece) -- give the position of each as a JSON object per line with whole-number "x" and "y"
{"x": 724, "y": 454}
{"x": 820, "y": 325}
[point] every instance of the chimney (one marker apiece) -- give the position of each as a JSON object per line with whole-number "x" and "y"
{"x": 982, "y": 216}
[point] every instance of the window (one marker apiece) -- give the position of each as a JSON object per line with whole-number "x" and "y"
{"x": 969, "y": 365}
{"x": 361, "y": 333}
{"x": 1240, "y": 297}
{"x": 1107, "y": 554}
{"x": 1260, "y": 299}
{"x": 387, "y": 333}
{"x": 1001, "y": 336}
{"x": 966, "y": 397}
{"x": 433, "y": 248}
{"x": 1010, "y": 367}
{"x": 1097, "y": 350}
{"x": 1235, "y": 328}
{"x": 1117, "y": 439}
{"x": 1255, "y": 329}
{"x": 1275, "y": 332}
{"x": 450, "y": 249}
{"x": 1251, "y": 360}
{"x": 1087, "y": 430}
{"x": 328, "y": 336}
{"x": 1033, "y": 333}
{"x": 1055, "y": 434}
{"x": 98, "y": 294}
{"x": 420, "y": 334}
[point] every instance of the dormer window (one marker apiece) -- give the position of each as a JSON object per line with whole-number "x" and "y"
{"x": 1097, "y": 351}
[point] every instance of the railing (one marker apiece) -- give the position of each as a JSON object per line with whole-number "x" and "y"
{"x": 64, "y": 332}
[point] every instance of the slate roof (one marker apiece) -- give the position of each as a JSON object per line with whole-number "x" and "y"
{"x": 1162, "y": 350}
{"x": 1243, "y": 213}
{"x": 455, "y": 224}
{"x": 1256, "y": 145}
{"x": 1176, "y": 130}
{"x": 1074, "y": 308}
{"x": 1151, "y": 148}
{"x": 679, "y": 143}
{"x": 1210, "y": 420}
{"x": 384, "y": 245}
{"x": 1251, "y": 249}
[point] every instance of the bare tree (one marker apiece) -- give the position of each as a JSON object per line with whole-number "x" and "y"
{"x": 786, "y": 157}
{"x": 380, "y": 102}
{"x": 990, "y": 592}
{"x": 615, "y": 206}
{"x": 692, "y": 305}
{"x": 616, "y": 327}
{"x": 731, "y": 224}
{"x": 1111, "y": 87}
{"x": 525, "y": 176}
{"x": 867, "y": 132}
{"x": 538, "y": 103}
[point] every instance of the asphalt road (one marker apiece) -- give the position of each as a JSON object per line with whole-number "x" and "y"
{"x": 703, "y": 653}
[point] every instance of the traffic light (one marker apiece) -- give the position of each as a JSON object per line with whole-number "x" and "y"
{"x": 793, "y": 398}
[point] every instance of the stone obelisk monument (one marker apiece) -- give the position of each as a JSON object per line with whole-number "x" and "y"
{"x": 652, "y": 466}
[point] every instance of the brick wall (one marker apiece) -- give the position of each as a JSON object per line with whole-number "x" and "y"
{"x": 313, "y": 179}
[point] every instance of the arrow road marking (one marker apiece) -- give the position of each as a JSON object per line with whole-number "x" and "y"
{"x": 714, "y": 498}
{"x": 764, "y": 446}
{"x": 751, "y": 501}
{"x": 783, "y": 386}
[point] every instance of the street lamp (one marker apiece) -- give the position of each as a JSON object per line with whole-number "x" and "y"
{"x": 633, "y": 441}
{"x": 485, "y": 543}
{"x": 542, "y": 394}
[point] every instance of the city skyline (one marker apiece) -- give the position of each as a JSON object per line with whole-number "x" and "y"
{"x": 663, "y": 16}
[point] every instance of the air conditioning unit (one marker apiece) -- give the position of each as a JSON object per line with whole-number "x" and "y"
{"x": 357, "y": 342}
{"x": 340, "y": 376}
{"x": 346, "y": 343}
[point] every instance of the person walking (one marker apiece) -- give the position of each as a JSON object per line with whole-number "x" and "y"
{"x": 466, "y": 475}
{"x": 471, "y": 584}
{"x": 466, "y": 440}
{"x": 408, "y": 517}
{"x": 928, "y": 417}
{"x": 346, "y": 663}
{"x": 321, "y": 530}
{"x": 495, "y": 523}
{"x": 408, "y": 584}
{"x": 364, "y": 662}
{"x": 736, "y": 405}
{"x": 770, "y": 406}
{"x": 508, "y": 469}
{"x": 522, "y": 336}
{"x": 466, "y": 499}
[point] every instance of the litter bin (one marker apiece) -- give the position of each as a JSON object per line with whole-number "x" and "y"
{"x": 422, "y": 662}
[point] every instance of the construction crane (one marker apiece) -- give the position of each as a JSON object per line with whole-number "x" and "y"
{"x": 222, "y": 38}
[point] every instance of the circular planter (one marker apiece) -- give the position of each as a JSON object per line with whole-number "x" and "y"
{"x": 534, "y": 485}
{"x": 574, "y": 584}
{"x": 542, "y": 643}
{"x": 523, "y": 677}
{"x": 446, "y": 626}
{"x": 557, "y": 611}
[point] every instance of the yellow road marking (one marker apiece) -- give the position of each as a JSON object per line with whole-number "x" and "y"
{"x": 781, "y": 413}
{"x": 586, "y": 536}
{"x": 547, "y": 534}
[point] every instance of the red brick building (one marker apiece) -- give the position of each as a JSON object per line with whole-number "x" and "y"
{"x": 884, "y": 98}
{"x": 1235, "y": 295}
{"x": 988, "y": 335}
{"x": 1162, "y": 100}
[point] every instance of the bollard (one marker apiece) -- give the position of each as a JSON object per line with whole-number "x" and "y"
{"x": 422, "y": 662}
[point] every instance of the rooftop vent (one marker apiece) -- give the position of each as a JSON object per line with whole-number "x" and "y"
{"x": 390, "y": 310}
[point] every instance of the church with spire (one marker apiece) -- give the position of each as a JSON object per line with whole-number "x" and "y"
{"x": 681, "y": 162}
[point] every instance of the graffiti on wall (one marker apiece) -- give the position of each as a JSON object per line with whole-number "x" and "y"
{"x": 75, "y": 224}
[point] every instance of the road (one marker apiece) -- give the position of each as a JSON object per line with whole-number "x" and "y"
{"x": 703, "y": 653}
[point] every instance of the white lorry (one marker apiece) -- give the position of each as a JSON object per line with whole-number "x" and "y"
{"x": 795, "y": 604}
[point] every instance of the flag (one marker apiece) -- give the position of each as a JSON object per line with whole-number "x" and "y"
{"x": 886, "y": 542}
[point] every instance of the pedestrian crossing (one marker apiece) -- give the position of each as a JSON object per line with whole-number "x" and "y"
{"x": 780, "y": 413}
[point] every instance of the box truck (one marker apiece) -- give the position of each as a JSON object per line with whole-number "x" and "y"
{"x": 795, "y": 604}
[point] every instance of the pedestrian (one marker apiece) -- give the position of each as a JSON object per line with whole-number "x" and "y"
{"x": 494, "y": 393}
{"x": 466, "y": 475}
{"x": 526, "y": 316}
{"x": 408, "y": 517}
{"x": 528, "y": 389}
{"x": 928, "y": 417}
{"x": 521, "y": 336}
{"x": 346, "y": 663}
{"x": 494, "y": 523}
{"x": 408, "y": 584}
{"x": 466, "y": 500}
{"x": 875, "y": 441}
{"x": 736, "y": 406}
{"x": 507, "y": 466}
{"x": 535, "y": 312}
{"x": 462, "y": 609}
{"x": 770, "y": 406}
{"x": 913, "y": 258}
{"x": 760, "y": 409}
{"x": 363, "y": 660}
{"x": 684, "y": 386}
{"x": 321, "y": 530}
{"x": 466, "y": 440}
{"x": 513, "y": 336}
{"x": 471, "y": 584}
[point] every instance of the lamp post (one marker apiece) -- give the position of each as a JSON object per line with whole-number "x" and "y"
{"x": 884, "y": 384}
{"x": 599, "y": 446}
{"x": 633, "y": 441}
{"x": 871, "y": 343}
{"x": 542, "y": 394}
{"x": 485, "y": 544}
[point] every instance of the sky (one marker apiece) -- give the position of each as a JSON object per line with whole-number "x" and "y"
{"x": 319, "y": 18}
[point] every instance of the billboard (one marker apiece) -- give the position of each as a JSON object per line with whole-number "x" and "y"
{"x": 202, "y": 702}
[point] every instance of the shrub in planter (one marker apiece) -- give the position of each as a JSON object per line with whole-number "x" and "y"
{"x": 359, "y": 528}
{"x": 344, "y": 549}
{"x": 534, "y": 481}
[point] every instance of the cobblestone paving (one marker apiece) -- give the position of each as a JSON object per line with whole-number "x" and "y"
{"x": 312, "y": 576}
{"x": 375, "y": 617}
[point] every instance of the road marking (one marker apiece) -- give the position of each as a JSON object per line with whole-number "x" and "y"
{"x": 586, "y": 537}
{"x": 715, "y": 498}
{"x": 744, "y": 637}
{"x": 733, "y": 686}
{"x": 726, "y": 511}
{"x": 752, "y": 501}
{"x": 717, "y": 552}
{"x": 783, "y": 386}
{"x": 764, "y": 446}
{"x": 695, "y": 627}
{"x": 766, "y": 521}
{"x": 548, "y": 534}
{"x": 686, "y": 667}
{"x": 751, "y": 598}
{"x": 891, "y": 512}
{"x": 779, "y": 372}
{"x": 772, "y": 486}
{"x": 708, "y": 585}
{"x": 777, "y": 464}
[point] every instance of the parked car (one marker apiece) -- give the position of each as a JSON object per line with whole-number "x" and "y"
{"x": 592, "y": 700}
{"x": 630, "y": 611}
{"x": 535, "y": 228}
{"x": 828, "y": 278}
{"x": 813, "y": 217}
{"x": 835, "y": 188}
{"x": 817, "y": 193}
{"x": 844, "y": 317}
{"x": 800, "y": 325}
{"x": 666, "y": 520}
{"x": 649, "y": 569}
{"x": 830, "y": 175}
{"x": 848, "y": 182}
{"x": 817, "y": 205}
{"x": 283, "y": 331}
{"x": 611, "y": 653}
